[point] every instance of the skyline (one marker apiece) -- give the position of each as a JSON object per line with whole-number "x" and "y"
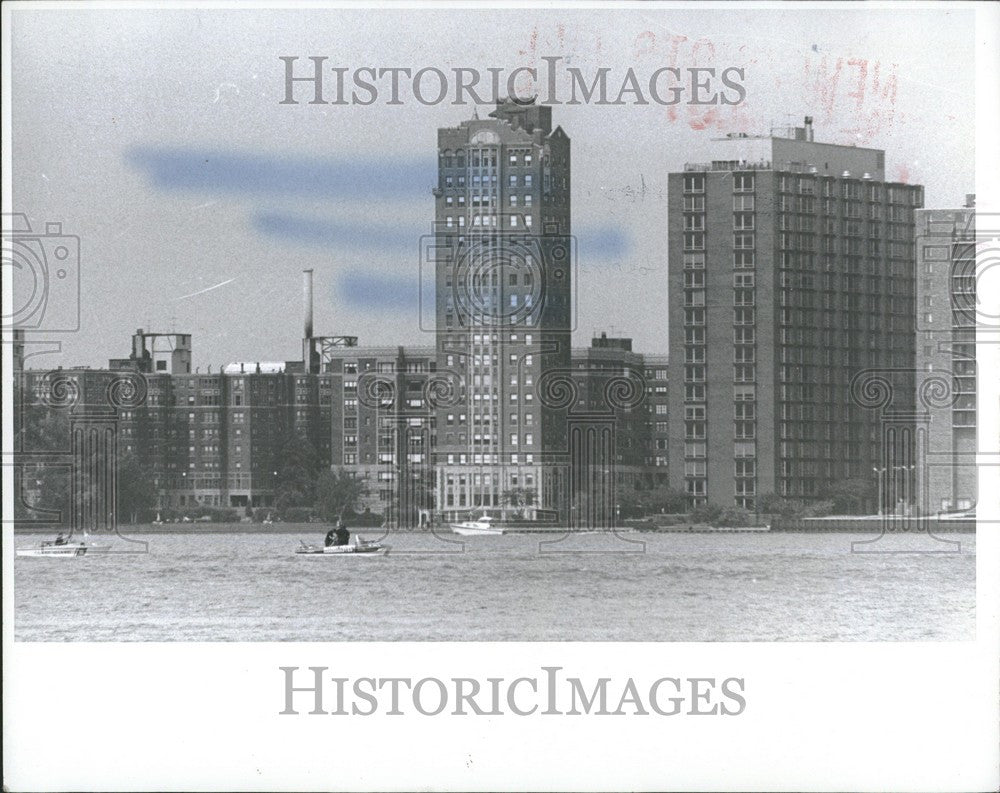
{"x": 216, "y": 253}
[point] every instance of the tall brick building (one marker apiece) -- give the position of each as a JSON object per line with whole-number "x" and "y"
{"x": 946, "y": 358}
{"x": 791, "y": 282}
{"x": 502, "y": 260}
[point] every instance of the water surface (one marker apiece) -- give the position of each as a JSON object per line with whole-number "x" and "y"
{"x": 679, "y": 587}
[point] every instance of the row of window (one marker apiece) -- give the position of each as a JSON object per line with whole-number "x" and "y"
{"x": 742, "y": 183}
{"x": 484, "y": 158}
{"x": 488, "y": 459}
{"x": 489, "y": 200}
{"x": 743, "y": 469}
{"x": 806, "y": 185}
{"x": 513, "y": 180}
{"x": 490, "y": 221}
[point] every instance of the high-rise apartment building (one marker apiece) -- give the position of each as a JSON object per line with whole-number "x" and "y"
{"x": 657, "y": 426}
{"x": 946, "y": 358}
{"x": 791, "y": 280}
{"x": 503, "y": 269}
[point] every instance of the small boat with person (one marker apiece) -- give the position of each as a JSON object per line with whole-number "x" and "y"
{"x": 360, "y": 547}
{"x": 63, "y": 548}
{"x": 337, "y": 543}
{"x": 482, "y": 525}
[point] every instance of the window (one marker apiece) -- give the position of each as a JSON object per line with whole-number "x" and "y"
{"x": 695, "y": 468}
{"x": 694, "y": 241}
{"x": 694, "y": 316}
{"x": 694, "y": 183}
{"x": 743, "y": 183}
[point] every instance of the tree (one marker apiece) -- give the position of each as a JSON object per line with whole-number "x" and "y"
{"x": 295, "y": 465}
{"x": 650, "y": 500}
{"x": 337, "y": 492}
{"x": 664, "y": 499}
{"x": 734, "y": 517}
{"x": 517, "y": 498}
{"x": 136, "y": 491}
{"x": 42, "y": 490}
{"x": 851, "y": 496}
{"x": 706, "y": 513}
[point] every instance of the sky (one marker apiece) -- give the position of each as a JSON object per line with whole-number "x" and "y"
{"x": 158, "y": 138}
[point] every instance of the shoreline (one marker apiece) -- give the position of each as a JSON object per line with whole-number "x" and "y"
{"x": 845, "y": 527}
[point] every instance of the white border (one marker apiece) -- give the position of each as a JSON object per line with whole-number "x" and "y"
{"x": 819, "y": 716}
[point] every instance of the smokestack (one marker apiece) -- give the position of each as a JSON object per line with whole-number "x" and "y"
{"x": 307, "y": 303}
{"x": 809, "y": 128}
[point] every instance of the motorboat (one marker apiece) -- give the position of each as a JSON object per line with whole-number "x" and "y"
{"x": 360, "y": 547}
{"x": 483, "y": 525}
{"x": 64, "y": 550}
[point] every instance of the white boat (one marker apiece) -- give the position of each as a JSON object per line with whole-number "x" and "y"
{"x": 483, "y": 525}
{"x": 66, "y": 550}
{"x": 359, "y": 548}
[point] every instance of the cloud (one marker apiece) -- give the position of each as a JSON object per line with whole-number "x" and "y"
{"x": 329, "y": 233}
{"x": 368, "y": 181}
{"x": 217, "y": 172}
{"x": 601, "y": 242}
{"x": 365, "y": 290}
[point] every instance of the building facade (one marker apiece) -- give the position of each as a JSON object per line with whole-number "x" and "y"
{"x": 499, "y": 413}
{"x": 657, "y": 412}
{"x": 791, "y": 281}
{"x": 503, "y": 269}
{"x": 946, "y": 358}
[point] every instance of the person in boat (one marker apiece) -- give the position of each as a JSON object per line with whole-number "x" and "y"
{"x": 343, "y": 535}
{"x": 331, "y": 538}
{"x": 60, "y": 539}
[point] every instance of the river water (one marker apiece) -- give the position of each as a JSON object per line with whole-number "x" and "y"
{"x": 643, "y": 587}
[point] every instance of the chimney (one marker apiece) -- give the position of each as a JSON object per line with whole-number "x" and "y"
{"x": 307, "y": 303}
{"x": 809, "y": 128}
